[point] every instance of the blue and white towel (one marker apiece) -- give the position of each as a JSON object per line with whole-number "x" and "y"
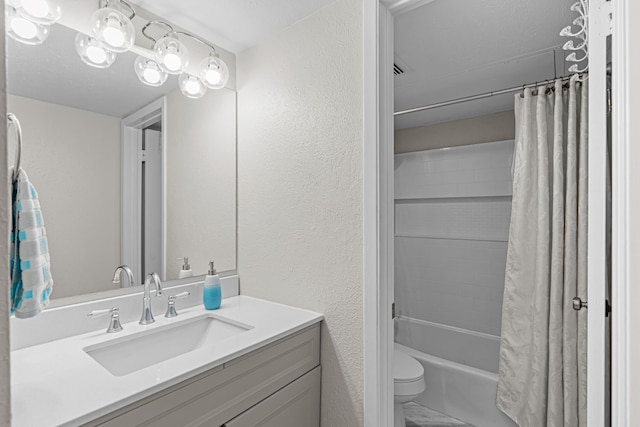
{"x": 31, "y": 281}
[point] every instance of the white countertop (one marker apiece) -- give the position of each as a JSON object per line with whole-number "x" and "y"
{"x": 58, "y": 384}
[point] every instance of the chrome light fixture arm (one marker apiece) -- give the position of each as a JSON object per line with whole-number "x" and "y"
{"x": 132, "y": 14}
{"x": 168, "y": 26}
{"x": 170, "y": 31}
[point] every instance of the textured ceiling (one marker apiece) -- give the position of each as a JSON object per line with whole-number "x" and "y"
{"x": 456, "y": 48}
{"x": 233, "y": 24}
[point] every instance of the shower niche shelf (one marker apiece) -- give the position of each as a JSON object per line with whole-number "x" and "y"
{"x": 453, "y": 237}
{"x": 454, "y": 199}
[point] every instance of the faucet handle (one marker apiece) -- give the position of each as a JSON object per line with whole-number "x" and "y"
{"x": 171, "y": 306}
{"x": 114, "y": 323}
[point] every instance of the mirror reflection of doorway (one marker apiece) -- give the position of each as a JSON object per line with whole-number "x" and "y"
{"x": 151, "y": 200}
{"x": 143, "y": 219}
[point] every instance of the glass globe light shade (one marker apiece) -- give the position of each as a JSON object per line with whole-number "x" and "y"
{"x": 24, "y": 30}
{"x": 93, "y": 53}
{"x": 191, "y": 86}
{"x": 114, "y": 29}
{"x": 149, "y": 72}
{"x": 171, "y": 54}
{"x": 40, "y": 11}
{"x": 214, "y": 73}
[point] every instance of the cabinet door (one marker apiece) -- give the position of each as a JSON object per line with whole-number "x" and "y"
{"x": 296, "y": 405}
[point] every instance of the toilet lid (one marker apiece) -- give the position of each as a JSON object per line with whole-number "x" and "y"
{"x": 406, "y": 368}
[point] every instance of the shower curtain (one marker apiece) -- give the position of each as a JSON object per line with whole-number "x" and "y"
{"x": 543, "y": 348}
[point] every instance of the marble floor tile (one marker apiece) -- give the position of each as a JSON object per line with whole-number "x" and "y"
{"x": 419, "y": 416}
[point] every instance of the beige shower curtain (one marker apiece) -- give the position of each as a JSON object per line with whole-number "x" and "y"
{"x": 543, "y": 360}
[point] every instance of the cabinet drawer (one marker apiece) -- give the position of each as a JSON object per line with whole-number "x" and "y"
{"x": 296, "y": 405}
{"x": 214, "y": 397}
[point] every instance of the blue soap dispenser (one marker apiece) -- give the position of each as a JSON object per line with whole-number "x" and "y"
{"x": 212, "y": 296}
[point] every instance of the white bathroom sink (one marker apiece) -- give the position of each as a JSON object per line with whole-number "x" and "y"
{"x": 125, "y": 355}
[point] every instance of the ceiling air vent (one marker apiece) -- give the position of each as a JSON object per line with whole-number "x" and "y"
{"x": 397, "y": 70}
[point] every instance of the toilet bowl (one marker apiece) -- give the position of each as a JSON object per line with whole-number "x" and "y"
{"x": 408, "y": 383}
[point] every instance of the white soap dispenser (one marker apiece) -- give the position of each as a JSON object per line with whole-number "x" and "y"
{"x": 186, "y": 269}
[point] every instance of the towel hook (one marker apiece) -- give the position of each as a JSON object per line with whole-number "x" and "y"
{"x": 13, "y": 120}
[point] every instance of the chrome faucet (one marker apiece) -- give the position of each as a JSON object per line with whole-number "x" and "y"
{"x": 127, "y": 271}
{"x": 147, "y": 315}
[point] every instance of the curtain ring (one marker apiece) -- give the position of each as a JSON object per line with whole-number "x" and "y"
{"x": 534, "y": 92}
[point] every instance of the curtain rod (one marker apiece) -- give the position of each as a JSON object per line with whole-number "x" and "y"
{"x": 479, "y": 96}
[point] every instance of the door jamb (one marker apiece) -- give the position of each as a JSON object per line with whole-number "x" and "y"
{"x": 625, "y": 344}
{"x": 378, "y": 214}
{"x": 132, "y": 127}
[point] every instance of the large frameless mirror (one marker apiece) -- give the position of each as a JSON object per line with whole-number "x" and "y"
{"x": 126, "y": 173}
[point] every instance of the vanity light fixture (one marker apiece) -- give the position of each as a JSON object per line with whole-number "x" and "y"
{"x": 112, "y": 25}
{"x": 171, "y": 54}
{"x": 191, "y": 86}
{"x": 24, "y": 30}
{"x": 44, "y": 12}
{"x": 93, "y": 53}
{"x": 149, "y": 72}
{"x": 172, "y": 57}
{"x": 214, "y": 73}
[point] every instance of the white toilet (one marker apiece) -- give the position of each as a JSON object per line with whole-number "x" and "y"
{"x": 408, "y": 383}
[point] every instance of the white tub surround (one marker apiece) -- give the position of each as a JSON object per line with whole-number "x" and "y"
{"x": 458, "y": 345}
{"x": 451, "y": 228}
{"x": 57, "y": 384}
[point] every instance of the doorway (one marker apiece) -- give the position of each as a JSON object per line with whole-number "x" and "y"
{"x": 143, "y": 191}
{"x": 396, "y": 8}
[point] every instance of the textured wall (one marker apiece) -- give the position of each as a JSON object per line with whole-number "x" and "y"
{"x": 300, "y": 187}
{"x": 73, "y": 159}
{"x": 201, "y": 181}
{"x": 475, "y": 130}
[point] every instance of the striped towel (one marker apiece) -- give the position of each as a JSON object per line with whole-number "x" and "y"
{"x": 31, "y": 281}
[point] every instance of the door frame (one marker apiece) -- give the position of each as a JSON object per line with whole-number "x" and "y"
{"x": 625, "y": 340}
{"x": 378, "y": 238}
{"x": 599, "y": 28}
{"x": 378, "y": 171}
{"x": 132, "y": 128}
{"x": 378, "y": 214}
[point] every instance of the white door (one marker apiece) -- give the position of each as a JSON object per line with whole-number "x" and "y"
{"x": 151, "y": 192}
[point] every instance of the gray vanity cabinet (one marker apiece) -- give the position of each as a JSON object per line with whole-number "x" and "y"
{"x": 296, "y": 405}
{"x": 276, "y": 385}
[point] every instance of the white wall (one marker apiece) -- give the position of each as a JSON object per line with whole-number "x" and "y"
{"x": 474, "y": 130}
{"x": 300, "y": 181}
{"x": 73, "y": 159}
{"x": 453, "y": 210}
{"x": 201, "y": 181}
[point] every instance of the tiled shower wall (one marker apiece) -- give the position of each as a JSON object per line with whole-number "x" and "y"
{"x": 453, "y": 207}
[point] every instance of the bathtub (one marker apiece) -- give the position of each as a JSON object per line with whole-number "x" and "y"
{"x": 460, "y": 390}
